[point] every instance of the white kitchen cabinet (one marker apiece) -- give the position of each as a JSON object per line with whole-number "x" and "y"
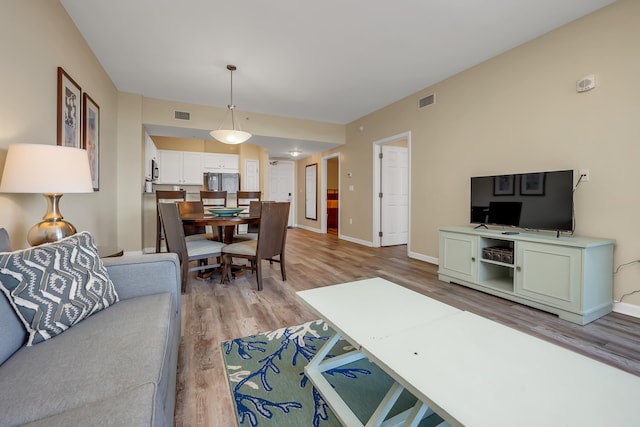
{"x": 180, "y": 167}
{"x": 192, "y": 168}
{"x": 569, "y": 276}
{"x": 225, "y": 163}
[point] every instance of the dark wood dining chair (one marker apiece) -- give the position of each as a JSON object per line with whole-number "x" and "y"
{"x": 255, "y": 208}
{"x": 271, "y": 242}
{"x": 193, "y": 231}
{"x": 187, "y": 250}
{"x": 213, "y": 199}
{"x": 244, "y": 199}
{"x": 166, "y": 196}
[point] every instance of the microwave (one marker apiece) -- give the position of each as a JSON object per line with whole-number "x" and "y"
{"x": 155, "y": 171}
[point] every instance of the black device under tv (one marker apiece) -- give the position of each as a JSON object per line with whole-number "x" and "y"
{"x": 538, "y": 200}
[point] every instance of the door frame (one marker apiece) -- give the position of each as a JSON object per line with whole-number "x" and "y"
{"x": 323, "y": 193}
{"x": 375, "y": 237}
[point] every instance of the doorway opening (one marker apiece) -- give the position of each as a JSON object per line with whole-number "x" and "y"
{"x": 391, "y": 189}
{"x": 330, "y": 194}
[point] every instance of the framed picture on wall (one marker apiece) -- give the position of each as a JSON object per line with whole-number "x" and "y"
{"x": 91, "y": 137}
{"x": 532, "y": 184}
{"x": 69, "y": 100}
{"x": 503, "y": 185}
{"x": 311, "y": 191}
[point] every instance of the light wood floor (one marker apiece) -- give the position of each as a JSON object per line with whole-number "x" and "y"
{"x": 213, "y": 313}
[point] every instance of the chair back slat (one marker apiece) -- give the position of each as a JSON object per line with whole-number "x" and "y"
{"x": 213, "y": 199}
{"x": 165, "y": 196}
{"x": 272, "y": 235}
{"x": 191, "y": 207}
{"x": 245, "y": 197}
{"x": 173, "y": 229}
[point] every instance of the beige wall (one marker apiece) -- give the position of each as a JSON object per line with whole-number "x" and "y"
{"x": 160, "y": 112}
{"x": 520, "y": 112}
{"x": 517, "y": 112}
{"x": 332, "y": 173}
{"x": 36, "y": 37}
{"x": 191, "y": 144}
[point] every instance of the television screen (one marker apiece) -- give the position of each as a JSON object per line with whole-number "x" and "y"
{"x": 540, "y": 200}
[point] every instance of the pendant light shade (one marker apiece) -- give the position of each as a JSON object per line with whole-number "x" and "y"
{"x": 235, "y": 135}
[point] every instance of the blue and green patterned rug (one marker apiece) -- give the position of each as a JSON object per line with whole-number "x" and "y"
{"x": 269, "y": 387}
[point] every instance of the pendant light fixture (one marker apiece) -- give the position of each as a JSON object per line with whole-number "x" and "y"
{"x": 234, "y": 135}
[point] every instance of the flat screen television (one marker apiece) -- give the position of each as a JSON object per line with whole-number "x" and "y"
{"x": 540, "y": 200}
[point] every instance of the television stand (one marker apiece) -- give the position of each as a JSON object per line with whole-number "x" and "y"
{"x": 568, "y": 276}
{"x": 481, "y": 226}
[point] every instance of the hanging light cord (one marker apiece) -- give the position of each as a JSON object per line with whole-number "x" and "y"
{"x": 231, "y": 106}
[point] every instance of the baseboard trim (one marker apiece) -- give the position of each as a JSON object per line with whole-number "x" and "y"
{"x": 304, "y": 227}
{"x": 625, "y": 308}
{"x": 354, "y": 240}
{"x": 425, "y": 258}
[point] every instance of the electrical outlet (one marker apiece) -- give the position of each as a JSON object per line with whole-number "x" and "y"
{"x": 350, "y": 220}
{"x": 584, "y": 173}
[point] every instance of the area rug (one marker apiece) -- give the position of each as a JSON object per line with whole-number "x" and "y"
{"x": 269, "y": 387}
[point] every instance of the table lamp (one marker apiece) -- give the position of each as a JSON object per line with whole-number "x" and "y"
{"x": 50, "y": 170}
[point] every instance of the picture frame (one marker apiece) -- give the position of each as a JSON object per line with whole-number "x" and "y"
{"x": 311, "y": 192}
{"x": 503, "y": 185}
{"x": 532, "y": 184}
{"x": 91, "y": 137}
{"x": 69, "y": 111}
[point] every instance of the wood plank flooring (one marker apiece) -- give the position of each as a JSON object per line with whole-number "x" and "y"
{"x": 213, "y": 313}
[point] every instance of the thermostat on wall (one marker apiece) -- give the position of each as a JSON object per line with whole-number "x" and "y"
{"x": 586, "y": 83}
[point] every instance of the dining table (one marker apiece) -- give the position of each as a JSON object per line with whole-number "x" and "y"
{"x": 226, "y": 224}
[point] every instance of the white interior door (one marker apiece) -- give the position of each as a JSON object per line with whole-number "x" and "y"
{"x": 251, "y": 181}
{"x": 281, "y": 185}
{"x": 394, "y": 204}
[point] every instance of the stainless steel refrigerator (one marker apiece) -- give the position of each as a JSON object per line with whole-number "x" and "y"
{"x": 229, "y": 182}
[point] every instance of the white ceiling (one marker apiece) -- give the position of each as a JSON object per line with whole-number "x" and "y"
{"x": 329, "y": 60}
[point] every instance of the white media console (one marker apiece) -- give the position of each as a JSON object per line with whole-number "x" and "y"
{"x": 569, "y": 276}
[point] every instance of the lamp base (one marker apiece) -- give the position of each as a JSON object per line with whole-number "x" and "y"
{"x": 53, "y": 227}
{"x": 48, "y": 231}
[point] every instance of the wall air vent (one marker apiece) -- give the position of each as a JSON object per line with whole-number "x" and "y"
{"x": 427, "y": 100}
{"x": 181, "y": 115}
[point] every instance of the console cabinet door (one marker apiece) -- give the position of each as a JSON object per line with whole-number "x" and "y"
{"x": 458, "y": 256}
{"x": 549, "y": 274}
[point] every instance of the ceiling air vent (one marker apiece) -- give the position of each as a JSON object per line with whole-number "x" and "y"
{"x": 182, "y": 115}
{"x": 427, "y": 100}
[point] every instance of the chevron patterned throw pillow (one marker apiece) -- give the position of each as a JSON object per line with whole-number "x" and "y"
{"x": 54, "y": 286}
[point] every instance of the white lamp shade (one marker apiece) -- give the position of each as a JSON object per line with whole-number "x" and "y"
{"x": 46, "y": 169}
{"x": 229, "y": 136}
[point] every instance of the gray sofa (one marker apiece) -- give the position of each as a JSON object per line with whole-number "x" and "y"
{"x": 114, "y": 368}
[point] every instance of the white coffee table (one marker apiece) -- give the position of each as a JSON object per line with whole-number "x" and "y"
{"x": 469, "y": 370}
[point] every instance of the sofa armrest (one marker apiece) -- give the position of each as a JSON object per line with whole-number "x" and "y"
{"x": 135, "y": 274}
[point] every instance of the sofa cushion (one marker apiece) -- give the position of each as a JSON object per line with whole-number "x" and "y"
{"x": 12, "y": 334}
{"x": 131, "y": 408}
{"x": 106, "y": 355}
{"x": 55, "y": 286}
